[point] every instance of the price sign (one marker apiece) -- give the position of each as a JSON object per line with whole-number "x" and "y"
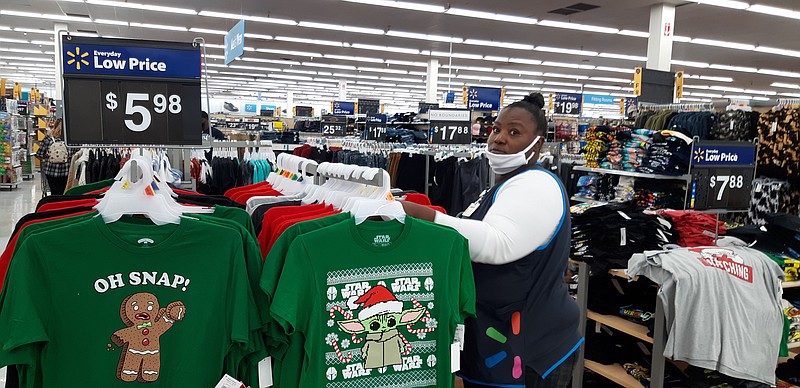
{"x": 450, "y": 126}
{"x": 131, "y": 92}
{"x": 376, "y": 128}
{"x": 567, "y": 104}
{"x": 334, "y": 126}
{"x": 722, "y": 175}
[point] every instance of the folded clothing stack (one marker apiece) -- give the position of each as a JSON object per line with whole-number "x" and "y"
{"x": 606, "y": 236}
{"x": 659, "y": 194}
{"x": 595, "y": 187}
{"x": 693, "y": 123}
{"x": 694, "y": 228}
{"x": 597, "y": 145}
{"x": 669, "y": 154}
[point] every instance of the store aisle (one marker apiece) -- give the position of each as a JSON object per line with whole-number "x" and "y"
{"x": 16, "y": 203}
{"x": 13, "y": 205}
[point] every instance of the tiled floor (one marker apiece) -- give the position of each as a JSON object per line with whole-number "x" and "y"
{"x": 13, "y": 205}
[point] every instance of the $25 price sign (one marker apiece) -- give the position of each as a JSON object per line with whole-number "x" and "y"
{"x": 140, "y": 103}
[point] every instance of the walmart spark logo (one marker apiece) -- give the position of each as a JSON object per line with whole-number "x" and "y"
{"x": 473, "y": 94}
{"x": 77, "y": 58}
{"x": 699, "y": 155}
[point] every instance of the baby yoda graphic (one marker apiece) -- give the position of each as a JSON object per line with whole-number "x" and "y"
{"x": 380, "y": 316}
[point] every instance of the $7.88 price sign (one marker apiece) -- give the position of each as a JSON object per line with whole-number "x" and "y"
{"x": 726, "y": 181}
{"x": 160, "y": 103}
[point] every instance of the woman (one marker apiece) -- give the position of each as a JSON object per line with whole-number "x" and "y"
{"x": 54, "y": 155}
{"x": 525, "y": 333}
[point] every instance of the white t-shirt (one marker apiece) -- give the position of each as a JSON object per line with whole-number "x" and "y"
{"x": 525, "y": 214}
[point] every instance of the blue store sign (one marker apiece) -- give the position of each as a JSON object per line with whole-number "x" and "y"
{"x": 598, "y": 99}
{"x": 484, "y": 98}
{"x": 744, "y": 155}
{"x": 344, "y": 108}
{"x": 234, "y": 42}
{"x": 118, "y": 58}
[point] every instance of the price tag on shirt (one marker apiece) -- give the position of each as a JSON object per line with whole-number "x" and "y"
{"x": 265, "y": 373}
{"x": 229, "y": 382}
{"x": 459, "y": 336}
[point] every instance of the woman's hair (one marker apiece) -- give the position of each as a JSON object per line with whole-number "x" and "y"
{"x": 534, "y": 104}
{"x": 57, "y": 130}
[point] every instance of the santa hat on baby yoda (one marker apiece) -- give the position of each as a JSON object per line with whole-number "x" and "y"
{"x": 378, "y": 300}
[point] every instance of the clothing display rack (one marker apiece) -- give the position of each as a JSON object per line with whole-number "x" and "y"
{"x": 678, "y": 107}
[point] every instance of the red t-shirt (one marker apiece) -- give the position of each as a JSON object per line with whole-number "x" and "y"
{"x": 286, "y": 223}
{"x": 66, "y": 204}
{"x": 272, "y": 214}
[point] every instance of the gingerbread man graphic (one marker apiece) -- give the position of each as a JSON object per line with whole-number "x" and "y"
{"x": 140, "y": 341}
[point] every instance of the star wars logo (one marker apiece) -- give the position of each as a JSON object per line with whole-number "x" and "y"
{"x": 726, "y": 260}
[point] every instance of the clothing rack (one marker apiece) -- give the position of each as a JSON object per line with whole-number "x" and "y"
{"x": 678, "y": 107}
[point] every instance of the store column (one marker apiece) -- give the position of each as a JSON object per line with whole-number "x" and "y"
{"x": 659, "y": 45}
{"x": 289, "y": 104}
{"x": 58, "y": 28}
{"x": 432, "y": 83}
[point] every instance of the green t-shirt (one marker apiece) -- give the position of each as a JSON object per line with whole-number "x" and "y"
{"x": 287, "y": 351}
{"x": 159, "y": 305}
{"x": 376, "y": 303}
{"x": 89, "y": 187}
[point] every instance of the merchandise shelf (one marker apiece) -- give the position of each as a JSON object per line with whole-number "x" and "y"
{"x": 792, "y": 284}
{"x": 615, "y": 373}
{"x": 685, "y": 177}
{"x": 586, "y": 200}
{"x": 622, "y": 324}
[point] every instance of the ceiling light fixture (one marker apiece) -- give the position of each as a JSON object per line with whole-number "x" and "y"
{"x": 609, "y": 79}
{"x": 400, "y": 50}
{"x": 623, "y": 56}
{"x": 735, "y": 68}
{"x": 329, "y": 66}
{"x": 209, "y": 31}
{"x": 784, "y": 85}
{"x": 36, "y": 15}
{"x": 111, "y": 22}
{"x": 491, "y": 43}
{"x": 602, "y": 87}
{"x": 525, "y": 61}
{"x": 556, "y": 83}
{"x": 337, "y": 27}
{"x": 289, "y": 52}
{"x": 495, "y": 58}
{"x": 772, "y": 50}
{"x": 332, "y": 43}
{"x": 258, "y": 36}
{"x": 8, "y": 40}
{"x": 455, "y": 55}
{"x": 146, "y": 7}
{"x": 402, "y": 4}
{"x": 774, "y": 11}
{"x": 577, "y": 26}
{"x": 414, "y": 35}
{"x": 559, "y": 50}
{"x": 382, "y": 70}
{"x": 708, "y": 78}
{"x": 490, "y": 16}
{"x": 690, "y": 64}
{"x": 725, "y": 3}
{"x": 638, "y": 34}
{"x": 682, "y": 39}
{"x": 779, "y": 73}
{"x": 722, "y": 43}
{"x": 406, "y": 63}
{"x": 570, "y": 76}
{"x": 225, "y": 15}
{"x": 159, "y": 27}
{"x": 352, "y": 58}
{"x": 29, "y": 30}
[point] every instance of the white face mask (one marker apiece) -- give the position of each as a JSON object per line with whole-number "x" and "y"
{"x": 503, "y": 164}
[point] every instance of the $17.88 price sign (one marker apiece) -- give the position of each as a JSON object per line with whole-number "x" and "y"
{"x": 134, "y": 105}
{"x": 450, "y": 126}
{"x": 375, "y": 128}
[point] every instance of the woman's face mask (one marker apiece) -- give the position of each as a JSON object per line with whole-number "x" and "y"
{"x": 503, "y": 164}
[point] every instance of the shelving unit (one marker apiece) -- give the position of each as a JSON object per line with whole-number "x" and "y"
{"x": 586, "y": 200}
{"x": 615, "y": 372}
{"x": 685, "y": 177}
{"x": 10, "y": 167}
{"x": 792, "y": 284}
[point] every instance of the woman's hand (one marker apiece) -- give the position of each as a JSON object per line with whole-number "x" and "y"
{"x": 418, "y": 211}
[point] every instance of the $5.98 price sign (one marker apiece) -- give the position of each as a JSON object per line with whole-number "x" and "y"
{"x": 135, "y": 105}
{"x": 450, "y": 133}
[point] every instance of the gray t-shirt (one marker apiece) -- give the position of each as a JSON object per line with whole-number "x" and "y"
{"x": 722, "y": 307}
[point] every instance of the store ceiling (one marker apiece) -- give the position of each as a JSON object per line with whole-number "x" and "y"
{"x": 602, "y": 61}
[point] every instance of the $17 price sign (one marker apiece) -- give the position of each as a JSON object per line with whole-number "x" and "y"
{"x": 451, "y": 134}
{"x": 141, "y": 104}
